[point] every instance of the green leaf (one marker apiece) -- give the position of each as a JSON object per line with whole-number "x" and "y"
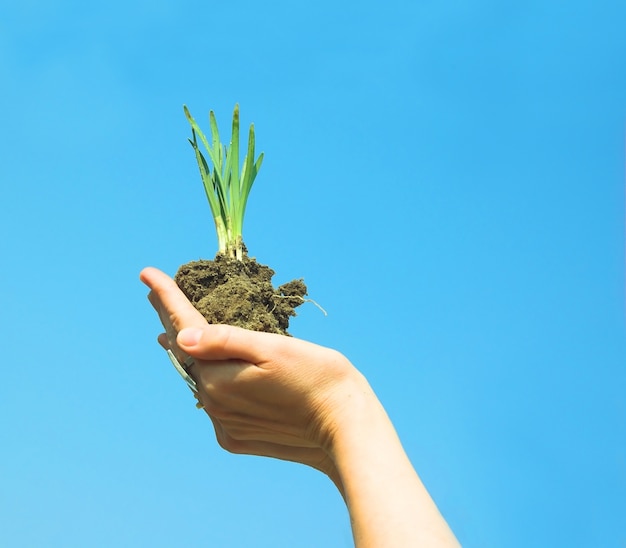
{"x": 227, "y": 188}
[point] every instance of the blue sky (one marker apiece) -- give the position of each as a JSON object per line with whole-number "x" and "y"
{"x": 447, "y": 177}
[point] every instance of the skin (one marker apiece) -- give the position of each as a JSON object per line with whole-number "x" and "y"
{"x": 290, "y": 399}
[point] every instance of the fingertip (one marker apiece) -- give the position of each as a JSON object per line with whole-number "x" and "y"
{"x": 189, "y": 337}
{"x": 163, "y": 341}
{"x": 145, "y": 273}
{"x": 151, "y": 276}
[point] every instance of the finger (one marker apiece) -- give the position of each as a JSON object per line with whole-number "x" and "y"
{"x": 226, "y": 342}
{"x": 170, "y": 302}
{"x": 156, "y": 304}
{"x": 163, "y": 341}
{"x": 311, "y": 456}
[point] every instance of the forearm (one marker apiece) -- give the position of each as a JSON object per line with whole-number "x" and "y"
{"x": 388, "y": 504}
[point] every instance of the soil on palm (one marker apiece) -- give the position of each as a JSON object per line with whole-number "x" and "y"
{"x": 240, "y": 293}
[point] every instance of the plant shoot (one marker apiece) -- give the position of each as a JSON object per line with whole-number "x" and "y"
{"x": 227, "y": 186}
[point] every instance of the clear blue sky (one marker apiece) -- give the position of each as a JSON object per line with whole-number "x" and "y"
{"x": 448, "y": 178}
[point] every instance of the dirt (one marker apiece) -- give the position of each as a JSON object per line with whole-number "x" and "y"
{"x": 240, "y": 293}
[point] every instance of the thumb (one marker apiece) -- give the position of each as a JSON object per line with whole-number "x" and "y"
{"x": 226, "y": 342}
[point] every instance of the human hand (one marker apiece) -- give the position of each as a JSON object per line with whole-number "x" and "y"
{"x": 266, "y": 394}
{"x": 281, "y": 397}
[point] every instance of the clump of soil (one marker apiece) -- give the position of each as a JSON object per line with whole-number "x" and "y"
{"x": 240, "y": 293}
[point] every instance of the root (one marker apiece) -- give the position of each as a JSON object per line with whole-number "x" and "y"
{"x": 301, "y": 299}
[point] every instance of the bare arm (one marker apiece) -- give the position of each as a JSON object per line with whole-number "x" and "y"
{"x": 388, "y": 504}
{"x": 290, "y": 399}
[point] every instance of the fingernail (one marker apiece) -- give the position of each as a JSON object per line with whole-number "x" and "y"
{"x": 190, "y": 336}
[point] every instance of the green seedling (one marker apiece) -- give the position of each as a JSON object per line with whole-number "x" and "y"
{"x": 227, "y": 186}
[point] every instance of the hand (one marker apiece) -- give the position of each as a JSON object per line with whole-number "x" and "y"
{"x": 266, "y": 394}
{"x": 281, "y": 397}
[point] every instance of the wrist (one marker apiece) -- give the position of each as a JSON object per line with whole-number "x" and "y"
{"x": 355, "y": 420}
{"x": 345, "y": 415}
{"x": 387, "y": 502}
{"x": 361, "y": 428}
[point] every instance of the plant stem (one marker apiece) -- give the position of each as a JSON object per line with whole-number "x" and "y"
{"x": 226, "y": 187}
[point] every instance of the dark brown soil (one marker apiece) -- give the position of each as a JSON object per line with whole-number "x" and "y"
{"x": 240, "y": 293}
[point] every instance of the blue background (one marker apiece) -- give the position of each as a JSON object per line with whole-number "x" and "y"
{"x": 448, "y": 178}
